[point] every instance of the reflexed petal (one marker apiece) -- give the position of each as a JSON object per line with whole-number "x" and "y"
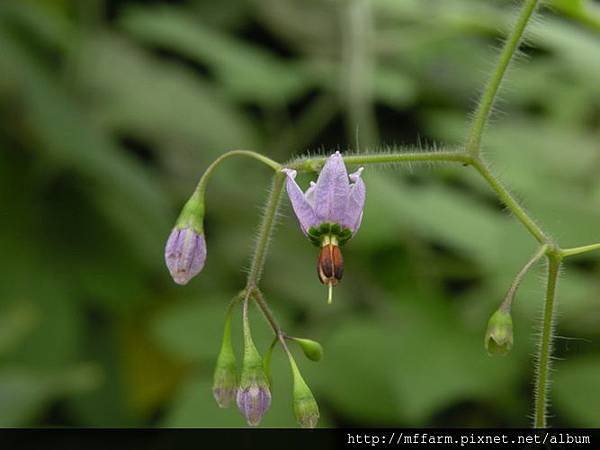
{"x": 356, "y": 202}
{"x": 302, "y": 208}
{"x": 332, "y": 190}
{"x": 310, "y": 194}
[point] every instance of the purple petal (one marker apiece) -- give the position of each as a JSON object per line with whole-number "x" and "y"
{"x": 302, "y": 208}
{"x": 356, "y": 202}
{"x": 253, "y": 402}
{"x": 332, "y": 190}
{"x": 185, "y": 254}
{"x": 309, "y": 195}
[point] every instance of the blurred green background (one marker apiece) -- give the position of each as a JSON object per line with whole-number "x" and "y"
{"x": 111, "y": 109}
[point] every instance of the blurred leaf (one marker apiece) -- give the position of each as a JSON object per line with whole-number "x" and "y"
{"x": 575, "y": 390}
{"x": 24, "y": 393}
{"x": 247, "y": 72}
{"x": 15, "y": 324}
{"x": 150, "y": 374}
{"x": 410, "y": 366}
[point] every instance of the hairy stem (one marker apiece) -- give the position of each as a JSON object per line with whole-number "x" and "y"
{"x": 313, "y": 164}
{"x": 201, "y": 188}
{"x": 510, "y": 202}
{"x": 266, "y": 229}
{"x": 491, "y": 89}
{"x": 545, "y": 344}
{"x": 507, "y": 303}
{"x": 264, "y": 307}
{"x": 579, "y": 250}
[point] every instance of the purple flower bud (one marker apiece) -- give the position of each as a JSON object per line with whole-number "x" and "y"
{"x": 185, "y": 254}
{"x": 254, "y": 399}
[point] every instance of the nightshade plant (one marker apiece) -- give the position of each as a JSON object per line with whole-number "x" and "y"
{"x": 330, "y": 213}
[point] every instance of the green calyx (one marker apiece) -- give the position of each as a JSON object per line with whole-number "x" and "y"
{"x": 328, "y": 229}
{"x": 192, "y": 214}
{"x": 252, "y": 366}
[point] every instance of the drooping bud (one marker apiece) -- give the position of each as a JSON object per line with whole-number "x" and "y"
{"x": 225, "y": 376}
{"x": 330, "y": 265}
{"x": 311, "y": 349}
{"x": 185, "y": 252}
{"x": 253, "y": 395}
{"x": 306, "y": 409}
{"x": 499, "y": 334}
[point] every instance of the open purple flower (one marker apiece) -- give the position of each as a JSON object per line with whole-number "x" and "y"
{"x": 185, "y": 254}
{"x": 330, "y": 213}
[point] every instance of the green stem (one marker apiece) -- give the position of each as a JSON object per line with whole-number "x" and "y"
{"x": 313, "y": 164}
{"x": 579, "y": 250}
{"x": 201, "y": 188}
{"x": 507, "y": 303}
{"x": 265, "y": 231}
{"x": 507, "y": 198}
{"x": 545, "y": 344}
{"x": 264, "y": 307}
{"x": 491, "y": 90}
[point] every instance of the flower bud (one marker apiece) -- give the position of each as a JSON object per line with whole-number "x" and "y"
{"x": 253, "y": 394}
{"x": 185, "y": 254}
{"x": 225, "y": 376}
{"x": 311, "y": 349}
{"x": 499, "y": 334}
{"x": 306, "y": 409}
{"x": 225, "y": 381}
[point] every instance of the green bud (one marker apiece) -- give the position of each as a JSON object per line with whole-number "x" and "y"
{"x": 311, "y": 349}
{"x": 499, "y": 334}
{"x": 306, "y": 409}
{"x": 225, "y": 376}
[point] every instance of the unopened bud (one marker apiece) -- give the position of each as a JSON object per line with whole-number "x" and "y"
{"x": 185, "y": 254}
{"x": 499, "y": 334}
{"x": 311, "y": 349}
{"x": 306, "y": 409}
{"x": 253, "y": 394}
{"x": 225, "y": 376}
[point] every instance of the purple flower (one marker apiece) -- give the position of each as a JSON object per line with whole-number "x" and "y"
{"x": 185, "y": 254}
{"x": 254, "y": 399}
{"x": 330, "y": 213}
{"x": 336, "y": 197}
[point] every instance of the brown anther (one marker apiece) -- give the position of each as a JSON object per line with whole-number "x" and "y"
{"x": 330, "y": 265}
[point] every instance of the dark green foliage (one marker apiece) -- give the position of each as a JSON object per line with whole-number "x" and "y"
{"x": 109, "y": 113}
